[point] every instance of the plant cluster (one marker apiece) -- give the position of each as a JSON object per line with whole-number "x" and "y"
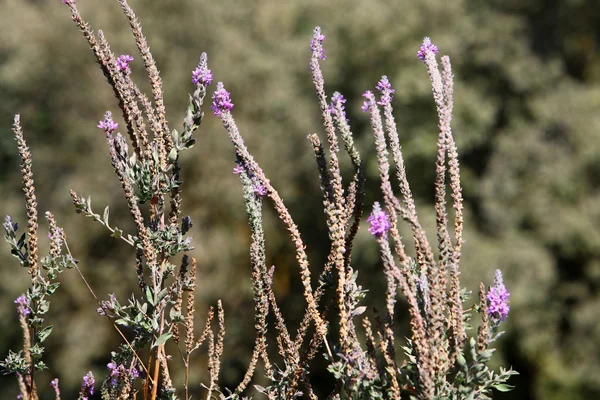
{"x": 441, "y": 361}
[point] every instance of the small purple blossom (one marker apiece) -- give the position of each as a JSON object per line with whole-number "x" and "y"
{"x": 259, "y": 189}
{"x": 108, "y": 125}
{"x": 497, "y": 299}
{"x": 379, "y": 220}
{"x": 87, "y": 387}
{"x": 123, "y": 62}
{"x": 367, "y": 104}
{"x": 426, "y": 47}
{"x": 316, "y": 44}
{"x": 116, "y": 371}
{"x": 54, "y": 384}
{"x": 68, "y": 1}
{"x": 202, "y": 75}
{"x": 238, "y": 169}
{"x": 385, "y": 88}
{"x": 221, "y": 100}
{"x": 23, "y": 305}
{"x": 57, "y": 236}
{"x": 337, "y": 100}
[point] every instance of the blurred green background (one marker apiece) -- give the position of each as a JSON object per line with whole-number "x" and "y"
{"x": 527, "y": 123}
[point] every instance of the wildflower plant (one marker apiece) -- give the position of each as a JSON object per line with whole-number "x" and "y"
{"x": 440, "y": 360}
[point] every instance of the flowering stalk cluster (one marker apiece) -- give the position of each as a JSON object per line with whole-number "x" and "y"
{"x": 441, "y": 360}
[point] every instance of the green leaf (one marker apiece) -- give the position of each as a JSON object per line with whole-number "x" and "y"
{"x": 502, "y": 387}
{"x": 105, "y": 216}
{"x": 173, "y": 155}
{"x": 149, "y": 295}
{"x": 44, "y": 333}
{"x": 162, "y": 339}
{"x": 117, "y": 233}
{"x": 52, "y": 287}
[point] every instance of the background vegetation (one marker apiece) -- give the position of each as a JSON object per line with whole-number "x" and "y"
{"x": 527, "y": 123}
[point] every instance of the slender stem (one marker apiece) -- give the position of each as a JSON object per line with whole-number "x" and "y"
{"x": 105, "y": 311}
{"x": 187, "y": 373}
{"x": 156, "y": 369}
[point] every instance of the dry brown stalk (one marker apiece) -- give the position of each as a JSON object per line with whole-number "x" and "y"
{"x": 30, "y": 200}
{"x": 155, "y": 80}
{"x": 483, "y": 337}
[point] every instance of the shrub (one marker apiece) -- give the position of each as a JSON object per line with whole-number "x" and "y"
{"x": 441, "y": 360}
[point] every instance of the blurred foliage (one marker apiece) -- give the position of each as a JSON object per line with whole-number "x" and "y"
{"x": 527, "y": 123}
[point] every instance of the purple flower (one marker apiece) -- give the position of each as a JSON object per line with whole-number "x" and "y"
{"x": 385, "y": 88}
{"x": 57, "y": 236}
{"x": 380, "y": 222}
{"x": 115, "y": 372}
{"x": 367, "y": 104}
{"x": 426, "y": 47}
{"x": 108, "y": 125}
{"x": 221, "y": 100}
{"x": 316, "y": 44}
{"x": 497, "y": 299}
{"x": 337, "y": 100}
{"x": 123, "y": 62}
{"x": 67, "y": 1}
{"x": 23, "y": 305}
{"x": 54, "y": 384}
{"x": 87, "y": 387}
{"x": 259, "y": 189}
{"x": 202, "y": 75}
{"x": 238, "y": 170}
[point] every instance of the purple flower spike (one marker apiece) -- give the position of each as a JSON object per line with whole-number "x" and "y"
{"x": 426, "y": 47}
{"x": 367, "y": 104}
{"x": 202, "y": 75}
{"x": 221, "y": 100}
{"x": 87, "y": 387}
{"x": 23, "y": 305}
{"x": 316, "y": 44}
{"x": 497, "y": 299}
{"x": 337, "y": 99}
{"x": 380, "y": 222}
{"x": 238, "y": 170}
{"x": 108, "y": 125}
{"x": 54, "y": 384}
{"x": 385, "y": 88}
{"x": 123, "y": 62}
